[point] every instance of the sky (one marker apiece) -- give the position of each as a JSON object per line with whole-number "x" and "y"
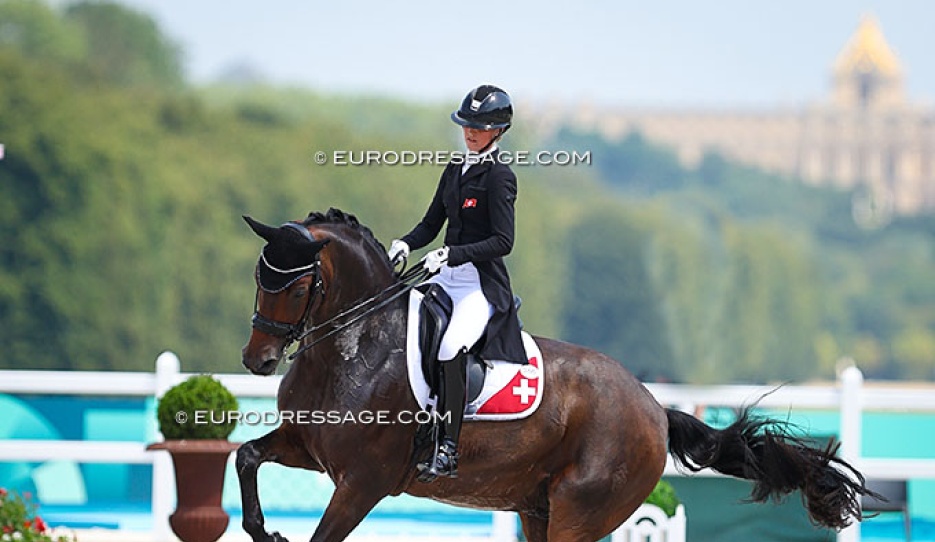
{"x": 668, "y": 53}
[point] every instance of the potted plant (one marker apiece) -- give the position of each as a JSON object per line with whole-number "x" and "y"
{"x": 664, "y": 497}
{"x": 195, "y": 419}
{"x": 19, "y": 521}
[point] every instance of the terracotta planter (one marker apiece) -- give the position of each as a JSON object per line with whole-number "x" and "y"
{"x": 199, "y": 483}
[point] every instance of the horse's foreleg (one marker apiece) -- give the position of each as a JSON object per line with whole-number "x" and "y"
{"x": 274, "y": 446}
{"x": 348, "y": 507}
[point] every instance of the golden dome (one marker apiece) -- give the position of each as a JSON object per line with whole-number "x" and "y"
{"x": 867, "y": 52}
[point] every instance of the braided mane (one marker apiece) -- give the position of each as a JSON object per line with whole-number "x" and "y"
{"x": 337, "y": 216}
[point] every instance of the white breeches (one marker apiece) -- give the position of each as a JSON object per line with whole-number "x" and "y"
{"x": 471, "y": 309}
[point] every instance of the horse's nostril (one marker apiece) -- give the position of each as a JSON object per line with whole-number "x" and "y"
{"x": 264, "y": 367}
{"x": 261, "y": 360}
{"x": 268, "y": 366}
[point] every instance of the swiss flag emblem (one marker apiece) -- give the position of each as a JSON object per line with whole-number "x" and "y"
{"x": 519, "y": 394}
{"x": 469, "y": 203}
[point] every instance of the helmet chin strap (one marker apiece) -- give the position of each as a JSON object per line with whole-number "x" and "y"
{"x": 493, "y": 140}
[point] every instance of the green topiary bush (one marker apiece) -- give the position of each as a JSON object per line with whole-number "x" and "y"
{"x": 198, "y": 408}
{"x": 664, "y": 497}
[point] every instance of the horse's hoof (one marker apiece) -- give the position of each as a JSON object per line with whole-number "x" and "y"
{"x": 276, "y": 537}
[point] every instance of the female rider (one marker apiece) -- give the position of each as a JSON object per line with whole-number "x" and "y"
{"x": 476, "y": 197}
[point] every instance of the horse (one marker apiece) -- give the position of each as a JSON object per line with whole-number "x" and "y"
{"x": 574, "y": 470}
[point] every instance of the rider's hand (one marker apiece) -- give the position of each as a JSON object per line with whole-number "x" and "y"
{"x": 434, "y": 260}
{"x": 398, "y": 250}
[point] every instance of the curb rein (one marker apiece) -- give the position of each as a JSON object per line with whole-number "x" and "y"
{"x": 406, "y": 278}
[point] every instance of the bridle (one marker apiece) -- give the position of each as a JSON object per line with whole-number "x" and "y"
{"x": 293, "y": 332}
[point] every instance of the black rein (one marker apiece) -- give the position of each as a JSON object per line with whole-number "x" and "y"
{"x": 408, "y": 279}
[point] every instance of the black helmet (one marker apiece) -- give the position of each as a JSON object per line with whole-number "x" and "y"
{"x": 485, "y": 108}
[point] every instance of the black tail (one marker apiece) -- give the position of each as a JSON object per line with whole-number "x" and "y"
{"x": 777, "y": 462}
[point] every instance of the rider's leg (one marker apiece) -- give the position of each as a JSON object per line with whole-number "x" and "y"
{"x": 451, "y": 401}
{"x": 468, "y": 321}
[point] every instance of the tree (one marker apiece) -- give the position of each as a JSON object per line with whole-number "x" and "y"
{"x": 35, "y": 31}
{"x": 126, "y": 47}
{"x": 611, "y": 303}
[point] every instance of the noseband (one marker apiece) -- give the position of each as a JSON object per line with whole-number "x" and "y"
{"x": 291, "y": 332}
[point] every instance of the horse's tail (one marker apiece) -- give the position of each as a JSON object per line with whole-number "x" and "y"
{"x": 777, "y": 462}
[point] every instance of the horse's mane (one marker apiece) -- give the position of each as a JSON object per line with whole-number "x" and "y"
{"x": 337, "y": 216}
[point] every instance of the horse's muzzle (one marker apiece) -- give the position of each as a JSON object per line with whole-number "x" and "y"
{"x": 263, "y": 362}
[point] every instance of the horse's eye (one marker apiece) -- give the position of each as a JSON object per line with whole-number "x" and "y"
{"x": 301, "y": 292}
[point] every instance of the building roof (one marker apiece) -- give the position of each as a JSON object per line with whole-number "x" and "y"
{"x": 867, "y": 52}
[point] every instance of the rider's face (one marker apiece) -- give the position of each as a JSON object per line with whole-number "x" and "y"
{"x": 476, "y": 140}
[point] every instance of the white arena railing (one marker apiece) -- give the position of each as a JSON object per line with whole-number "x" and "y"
{"x": 849, "y": 396}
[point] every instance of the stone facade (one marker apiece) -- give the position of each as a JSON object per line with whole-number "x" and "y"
{"x": 865, "y": 135}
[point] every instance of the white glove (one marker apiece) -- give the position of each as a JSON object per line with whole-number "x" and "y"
{"x": 398, "y": 250}
{"x": 434, "y": 260}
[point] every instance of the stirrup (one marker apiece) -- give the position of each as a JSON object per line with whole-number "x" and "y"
{"x": 443, "y": 463}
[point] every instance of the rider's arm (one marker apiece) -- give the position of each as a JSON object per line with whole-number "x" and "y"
{"x": 501, "y": 194}
{"x": 427, "y": 230}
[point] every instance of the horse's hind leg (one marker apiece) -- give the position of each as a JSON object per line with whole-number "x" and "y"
{"x": 588, "y": 503}
{"x": 274, "y": 446}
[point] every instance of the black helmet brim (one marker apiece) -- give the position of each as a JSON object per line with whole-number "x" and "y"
{"x": 458, "y": 119}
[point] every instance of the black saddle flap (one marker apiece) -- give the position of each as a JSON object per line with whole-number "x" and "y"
{"x": 434, "y": 316}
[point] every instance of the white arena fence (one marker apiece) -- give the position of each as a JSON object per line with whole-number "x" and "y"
{"x": 849, "y": 396}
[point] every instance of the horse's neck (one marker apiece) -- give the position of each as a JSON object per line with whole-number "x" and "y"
{"x": 346, "y": 369}
{"x": 362, "y": 273}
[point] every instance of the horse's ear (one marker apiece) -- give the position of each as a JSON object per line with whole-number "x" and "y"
{"x": 321, "y": 244}
{"x": 264, "y": 231}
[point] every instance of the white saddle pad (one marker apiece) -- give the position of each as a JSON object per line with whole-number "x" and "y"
{"x": 511, "y": 391}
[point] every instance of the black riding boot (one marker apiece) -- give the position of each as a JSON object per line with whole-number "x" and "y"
{"x": 452, "y": 395}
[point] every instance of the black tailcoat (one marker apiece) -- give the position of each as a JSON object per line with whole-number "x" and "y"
{"x": 481, "y": 222}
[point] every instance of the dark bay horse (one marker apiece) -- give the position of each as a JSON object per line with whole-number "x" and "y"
{"x": 574, "y": 470}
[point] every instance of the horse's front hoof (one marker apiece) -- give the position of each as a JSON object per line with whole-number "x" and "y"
{"x": 276, "y": 537}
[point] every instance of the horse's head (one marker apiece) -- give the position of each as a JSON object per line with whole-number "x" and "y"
{"x": 294, "y": 273}
{"x": 288, "y": 277}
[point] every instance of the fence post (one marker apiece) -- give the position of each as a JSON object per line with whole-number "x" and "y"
{"x": 167, "y": 371}
{"x": 677, "y": 525}
{"x": 852, "y": 381}
{"x": 504, "y": 527}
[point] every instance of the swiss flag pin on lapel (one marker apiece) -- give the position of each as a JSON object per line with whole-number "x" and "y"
{"x": 469, "y": 203}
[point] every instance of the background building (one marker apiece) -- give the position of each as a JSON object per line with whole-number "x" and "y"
{"x": 866, "y": 134}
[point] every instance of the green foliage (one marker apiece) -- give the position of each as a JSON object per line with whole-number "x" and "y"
{"x": 121, "y": 194}
{"x": 20, "y": 522}
{"x": 633, "y": 164}
{"x": 125, "y": 47}
{"x": 35, "y": 31}
{"x": 766, "y": 279}
{"x": 663, "y": 496}
{"x": 197, "y": 408}
{"x": 612, "y": 304}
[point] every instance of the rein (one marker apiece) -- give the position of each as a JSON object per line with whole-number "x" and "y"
{"x": 408, "y": 279}
{"x": 292, "y": 332}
